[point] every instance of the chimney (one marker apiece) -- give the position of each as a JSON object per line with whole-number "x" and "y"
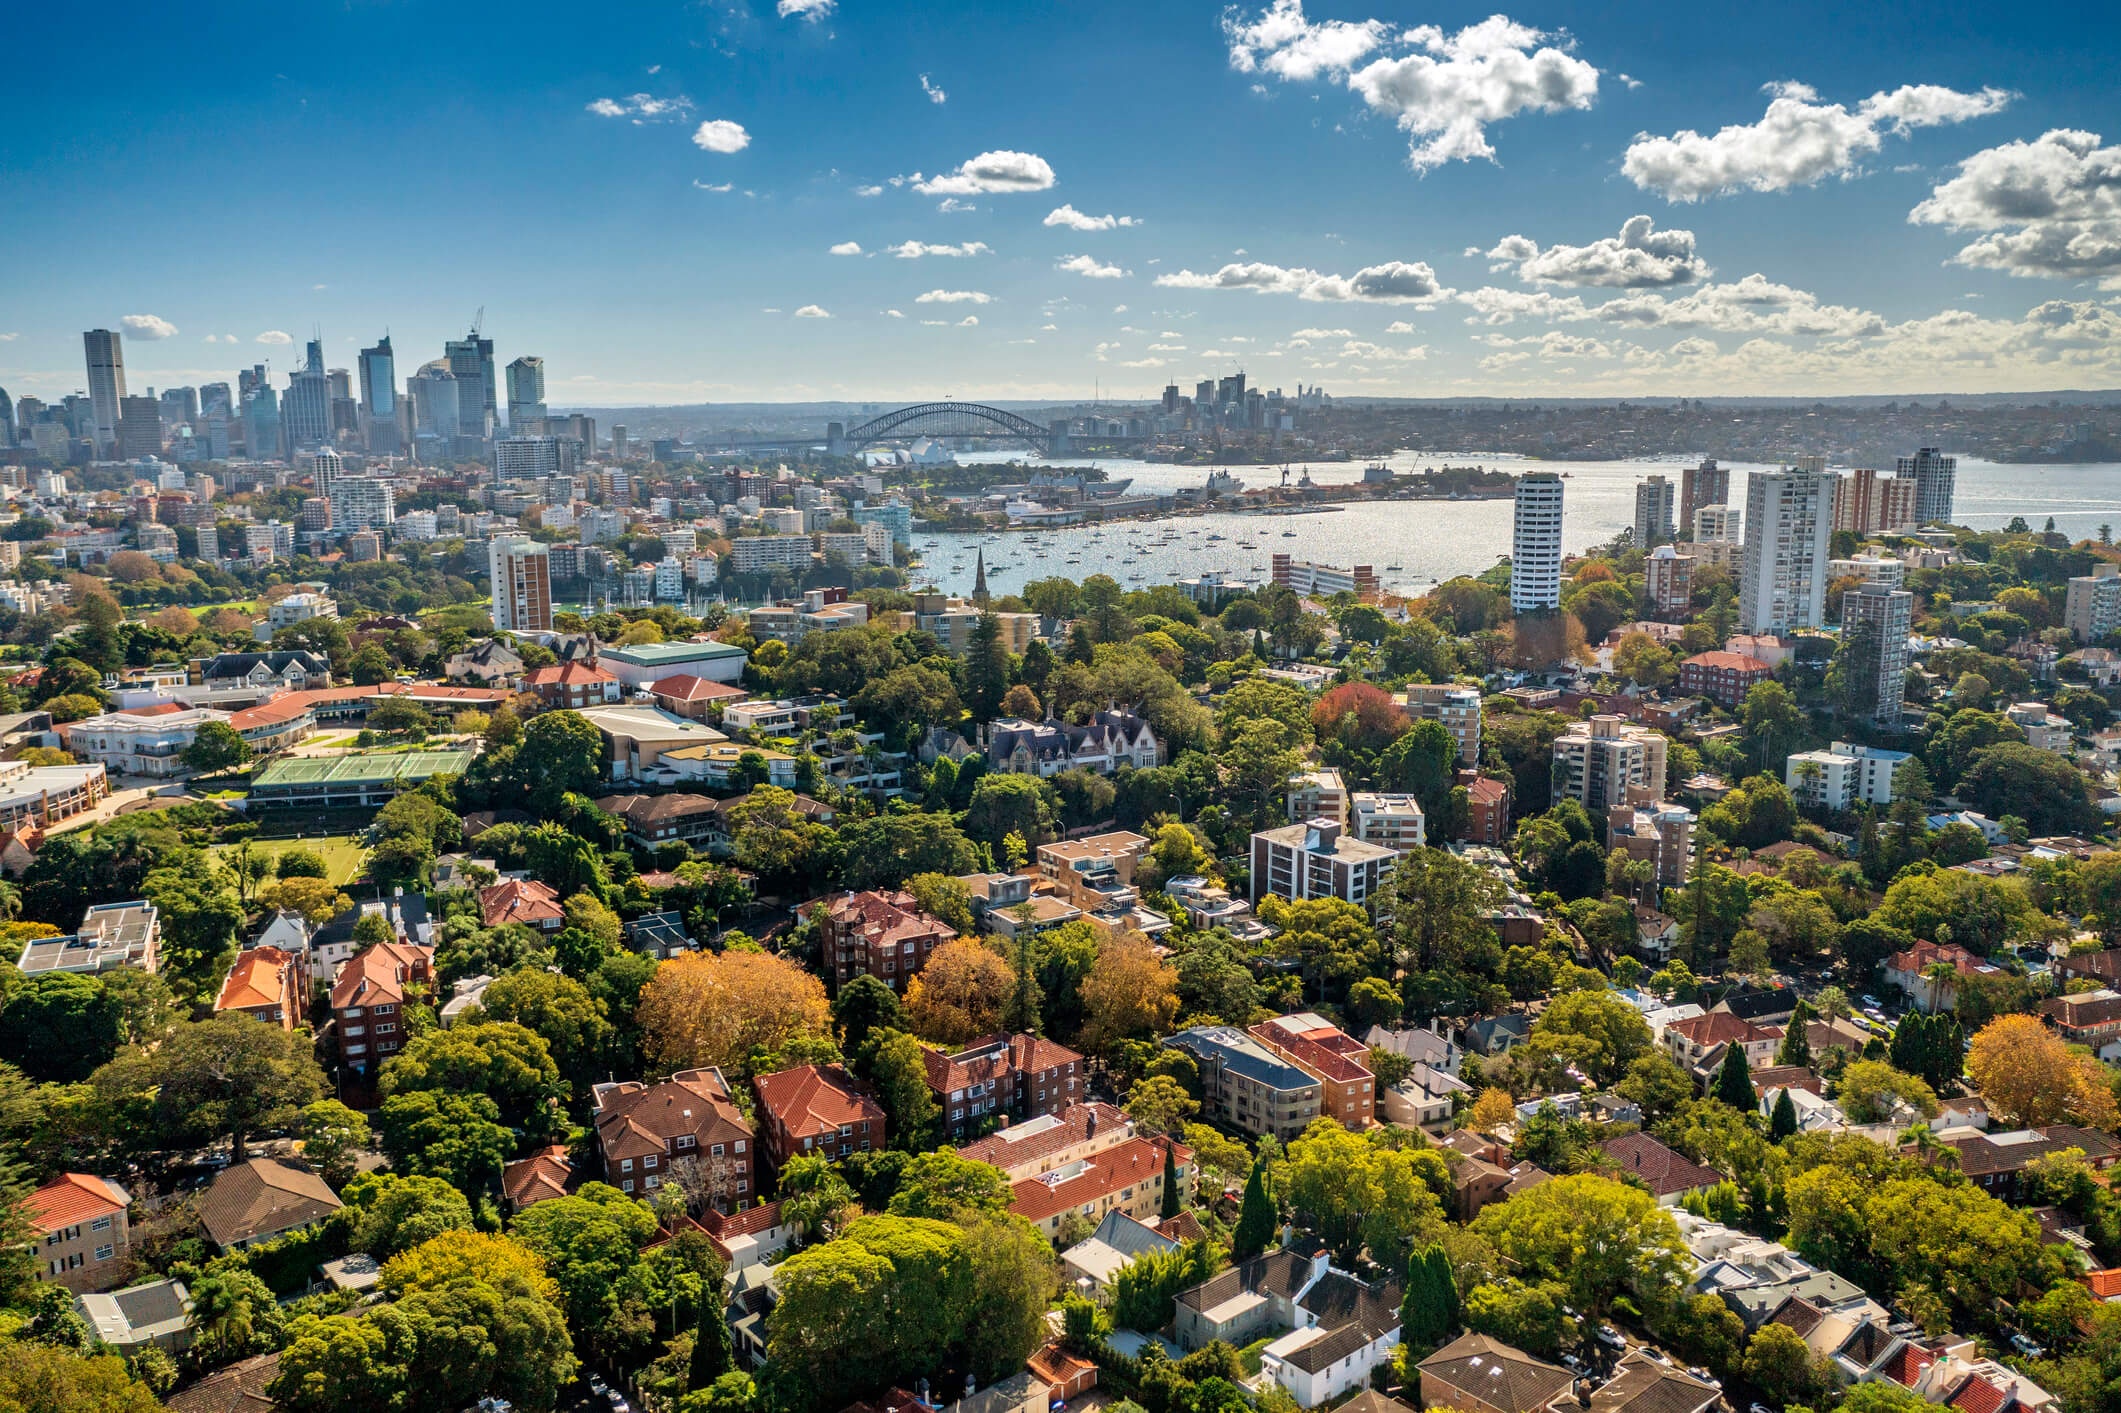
{"x": 1090, "y": 1124}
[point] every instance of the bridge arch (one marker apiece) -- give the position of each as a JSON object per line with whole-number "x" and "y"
{"x": 943, "y": 419}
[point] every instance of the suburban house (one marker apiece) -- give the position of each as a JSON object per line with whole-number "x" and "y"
{"x": 82, "y": 1232}
{"x": 1094, "y": 1263}
{"x": 491, "y": 661}
{"x": 572, "y": 685}
{"x": 1027, "y": 1076}
{"x": 879, "y": 934}
{"x": 523, "y": 901}
{"x": 816, "y": 1109}
{"x": 642, "y": 1129}
{"x": 111, "y": 935}
{"x": 750, "y": 1235}
{"x": 1933, "y": 994}
{"x": 156, "y": 1315}
{"x": 655, "y": 820}
{"x": 266, "y": 984}
{"x": 1668, "y": 1175}
{"x": 694, "y": 698}
{"x": 1481, "y": 1375}
{"x": 1128, "y": 1177}
{"x": 1345, "y": 1329}
{"x": 368, "y": 997}
{"x": 1994, "y": 1161}
{"x": 290, "y": 671}
{"x": 256, "y": 1201}
{"x": 1693, "y": 1040}
{"x": 1109, "y": 740}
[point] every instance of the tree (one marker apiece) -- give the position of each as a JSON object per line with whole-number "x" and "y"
{"x": 959, "y": 994}
{"x": 227, "y": 1077}
{"x": 864, "y": 1006}
{"x": 2032, "y": 1079}
{"x": 1492, "y": 1110}
{"x": 1359, "y": 1196}
{"x": 500, "y": 1060}
{"x": 940, "y": 895}
{"x": 1734, "y": 1081}
{"x": 1010, "y": 804}
{"x": 333, "y": 1137}
{"x": 59, "y": 1026}
{"x": 560, "y": 754}
{"x": 1781, "y": 1365}
{"x": 589, "y": 1241}
{"x": 216, "y": 746}
{"x": 1440, "y": 906}
{"x": 41, "y": 1378}
{"x": 1257, "y": 1218}
{"x": 1594, "y": 1030}
{"x": 315, "y": 900}
{"x": 1782, "y": 1122}
{"x": 1430, "y": 1306}
{"x": 1656, "y": 1084}
{"x": 558, "y": 1009}
{"x": 713, "y": 1353}
{"x": 946, "y": 1187}
{"x": 455, "y": 1137}
{"x": 900, "y": 1075}
{"x": 1173, "y": 1202}
{"x": 1160, "y": 1104}
{"x": 706, "y": 1008}
{"x": 392, "y": 1212}
{"x": 1130, "y": 991}
{"x": 1597, "y": 1237}
{"x": 1869, "y": 1091}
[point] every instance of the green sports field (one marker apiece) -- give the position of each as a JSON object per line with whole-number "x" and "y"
{"x": 342, "y": 853}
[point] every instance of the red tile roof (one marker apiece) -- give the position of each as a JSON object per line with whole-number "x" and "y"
{"x": 377, "y": 974}
{"x": 685, "y": 687}
{"x": 1977, "y": 1395}
{"x": 1135, "y": 1161}
{"x": 567, "y": 674}
{"x": 1728, "y": 662}
{"x": 270, "y": 713}
{"x": 1013, "y": 1147}
{"x": 541, "y": 1176}
{"x": 72, "y": 1198}
{"x": 1905, "y": 1364}
{"x": 1657, "y": 1167}
{"x": 749, "y": 1222}
{"x": 1720, "y": 1028}
{"x": 811, "y": 1100}
{"x": 260, "y": 977}
{"x": 158, "y": 709}
{"x": 523, "y": 900}
{"x": 2105, "y": 1284}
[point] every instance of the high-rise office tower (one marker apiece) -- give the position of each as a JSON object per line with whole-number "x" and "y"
{"x": 526, "y": 394}
{"x": 1653, "y": 512}
{"x": 139, "y": 427}
{"x": 1789, "y": 526}
{"x": 180, "y": 407}
{"x": 308, "y": 410}
{"x": 471, "y": 363}
{"x": 7, "y": 419}
{"x": 618, "y": 441}
{"x": 105, "y": 350}
{"x": 261, "y": 424}
{"x": 437, "y": 401}
{"x": 1875, "y": 622}
{"x": 1170, "y": 398}
{"x": 1934, "y": 475}
{"x": 1706, "y": 484}
{"x": 522, "y": 585}
{"x": 379, "y": 399}
{"x": 527, "y": 458}
{"x": 1535, "y": 544}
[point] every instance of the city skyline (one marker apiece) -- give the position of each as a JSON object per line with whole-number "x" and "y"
{"x": 818, "y": 201}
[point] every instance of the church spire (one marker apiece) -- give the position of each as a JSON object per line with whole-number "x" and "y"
{"x": 979, "y": 577}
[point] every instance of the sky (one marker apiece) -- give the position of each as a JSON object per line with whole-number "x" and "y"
{"x": 793, "y": 200}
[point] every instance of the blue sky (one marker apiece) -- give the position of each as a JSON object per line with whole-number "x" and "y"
{"x": 1389, "y": 199}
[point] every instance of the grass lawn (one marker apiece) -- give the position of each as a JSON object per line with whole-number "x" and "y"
{"x": 1251, "y": 1352}
{"x": 342, "y": 853}
{"x": 146, "y": 611}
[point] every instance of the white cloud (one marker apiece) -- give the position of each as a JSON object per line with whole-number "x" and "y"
{"x": 1380, "y": 353}
{"x": 1395, "y": 282}
{"x": 713, "y": 186}
{"x": 1076, "y": 220}
{"x": 951, "y": 203}
{"x": 1797, "y": 142}
{"x": 1049, "y": 328}
{"x": 721, "y": 135}
{"x": 811, "y": 311}
{"x": 953, "y": 296}
{"x": 935, "y": 323}
{"x": 893, "y": 314}
{"x": 1088, "y": 267}
{"x": 1399, "y": 326}
{"x": 847, "y": 247}
{"x": 2050, "y": 207}
{"x": 148, "y": 326}
{"x": 1504, "y": 306}
{"x": 969, "y": 321}
{"x": 810, "y": 10}
{"x": 643, "y": 108}
{"x": 997, "y": 171}
{"x": 868, "y": 191}
{"x": 935, "y": 95}
{"x": 10, "y": 336}
{"x": 914, "y": 250}
{"x": 1323, "y": 334}
{"x": 1444, "y": 89}
{"x": 1167, "y": 348}
{"x": 1640, "y": 257}
{"x": 1145, "y": 363}
{"x": 1752, "y": 305}
{"x": 275, "y": 336}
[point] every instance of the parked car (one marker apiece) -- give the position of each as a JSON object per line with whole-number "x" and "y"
{"x": 1611, "y": 1338}
{"x": 2026, "y": 1347}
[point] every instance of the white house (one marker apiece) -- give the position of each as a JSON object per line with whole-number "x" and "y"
{"x": 1345, "y": 1329}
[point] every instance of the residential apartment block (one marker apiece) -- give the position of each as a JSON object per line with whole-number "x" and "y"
{"x": 1598, "y": 761}
{"x": 1317, "y": 859}
{"x": 879, "y": 934}
{"x": 1455, "y": 705}
{"x": 1024, "y": 1076}
{"x": 1843, "y": 775}
{"x": 1392, "y": 821}
{"x": 82, "y": 1234}
{"x": 1347, "y": 1089}
{"x": 1317, "y": 794}
{"x": 816, "y": 1110}
{"x": 643, "y": 1129}
{"x": 1249, "y": 1086}
{"x": 369, "y": 998}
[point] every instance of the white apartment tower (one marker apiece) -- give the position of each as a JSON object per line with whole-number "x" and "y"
{"x": 1789, "y": 527}
{"x": 1535, "y": 544}
{"x": 362, "y": 503}
{"x": 1597, "y": 762}
{"x": 522, "y": 585}
{"x": 2092, "y": 610}
{"x": 1654, "y": 502}
{"x": 1934, "y": 475}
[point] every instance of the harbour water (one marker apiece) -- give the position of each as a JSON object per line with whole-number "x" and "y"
{"x": 1427, "y": 541}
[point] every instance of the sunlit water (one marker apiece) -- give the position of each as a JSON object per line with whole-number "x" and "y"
{"x": 1429, "y": 541}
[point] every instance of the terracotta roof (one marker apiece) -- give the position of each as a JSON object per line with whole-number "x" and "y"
{"x": 1011, "y": 1148}
{"x": 72, "y": 1198}
{"x": 260, "y": 977}
{"x": 158, "y": 709}
{"x": 378, "y": 974}
{"x": 1137, "y": 1160}
{"x": 1786, "y": 1077}
{"x": 260, "y": 1197}
{"x": 541, "y": 1176}
{"x": 1057, "y": 1366}
{"x": 657, "y": 809}
{"x": 1660, "y": 1169}
{"x": 810, "y": 1100}
{"x": 1799, "y": 1315}
{"x": 749, "y": 1222}
{"x": 1727, "y": 662}
{"x": 269, "y": 713}
{"x": 685, "y": 687}
{"x": 239, "y": 1388}
{"x": 567, "y": 674}
{"x": 633, "y": 1119}
{"x": 523, "y": 900}
{"x": 1487, "y": 790}
{"x": 1925, "y": 954}
{"x": 1719, "y": 1028}
{"x": 1033, "y": 1053}
{"x": 2105, "y": 1284}
{"x": 1976, "y": 1395}
{"x": 1500, "y": 1376}
{"x": 1183, "y": 1227}
{"x": 885, "y": 917}
{"x": 1905, "y": 1364}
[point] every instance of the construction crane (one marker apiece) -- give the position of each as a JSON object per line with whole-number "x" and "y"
{"x": 478, "y": 323}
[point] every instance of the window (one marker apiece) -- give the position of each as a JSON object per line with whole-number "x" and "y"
{"x": 627, "y": 1185}
{"x": 100, "y": 1224}
{"x": 686, "y": 1140}
{"x": 103, "y": 1253}
{"x": 626, "y": 1165}
{"x": 716, "y": 1150}
{"x": 386, "y": 1029}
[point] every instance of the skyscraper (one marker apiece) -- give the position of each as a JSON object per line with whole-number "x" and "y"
{"x": 379, "y": 399}
{"x": 1875, "y": 622}
{"x": 7, "y": 419}
{"x": 139, "y": 427}
{"x": 436, "y": 402}
{"x": 308, "y": 410}
{"x": 526, "y": 394}
{"x": 522, "y": 585}
{"x": 1706, "y": 484}
{"x": 471, "y": 363}
{"x": 1934, "y": 476}
{"x": 261, "y": 423}
{"x": 1789, "y": 526}
{"x": 106, "y": 383}
{"x": 180, "y": 407}
{"x": 1653, "y": 512}
{"x": 1535, "y": 544}
{"x": 1870, "y": 503}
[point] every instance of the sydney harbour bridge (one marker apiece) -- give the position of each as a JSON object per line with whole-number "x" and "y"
{"x": 961, "y": 420}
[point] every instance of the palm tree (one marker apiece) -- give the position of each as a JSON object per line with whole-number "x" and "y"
{"x": 1937, "y": 974}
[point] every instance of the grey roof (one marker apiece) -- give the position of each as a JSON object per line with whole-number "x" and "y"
{"x": 1281, "y": 1273}
{"x": 1129, "y": 1237}
{"x": 136, "y": 1316}
{"x": 406, "y": 911}
{"x": 1326, "y": 1350}
{"x": 1241, "y": 1054}
{"x": 1338, "y": 1299}
{"x": 277, "y": 663}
